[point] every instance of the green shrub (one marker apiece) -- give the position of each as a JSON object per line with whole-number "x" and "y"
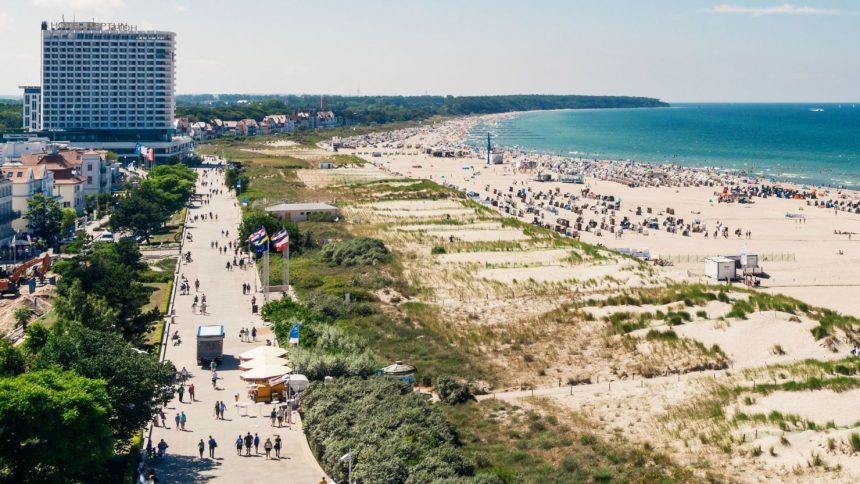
{"x": 588, "y": 439}
{"x": 357, "y": 251}
{"x": 438, "y": 249}
{"x": 661, "y": 335}
{"x": 453, "y": 392}
{"x": 397, "y": 434}
{"x": 854, "y": 440}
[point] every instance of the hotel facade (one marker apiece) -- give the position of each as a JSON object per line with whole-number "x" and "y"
{"x": 106, "y": 85}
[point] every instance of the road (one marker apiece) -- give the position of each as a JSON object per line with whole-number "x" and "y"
{"x": 228, "y": 306}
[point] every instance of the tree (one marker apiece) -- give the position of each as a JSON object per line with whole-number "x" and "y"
{"x": 91, "y": 202}
{"x": 67, "y": 223}
{"x": 11, "y": 360}
{"x": 36, "y": 337}
{"x": 54, "y": 427}
{"x": 45, "y": 216}
{"x": 137, "y": 381}
{"x": 142, "y": 210}
{"x": 102, "y": 289}
{"x": 22, "y": 315}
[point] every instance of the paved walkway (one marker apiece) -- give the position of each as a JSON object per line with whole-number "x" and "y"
{"x": 228, "y": 306}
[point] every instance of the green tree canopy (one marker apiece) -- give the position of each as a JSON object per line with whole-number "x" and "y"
{"x": 102, "y": 289}
{"x": 67, "y": 223}
{"x": 136, "y": 381}
{"x": 11, "y": 360}
{"x": 141, "y": 210}
{"x": 53, "y": 427}
{"x": 44, "y": 216}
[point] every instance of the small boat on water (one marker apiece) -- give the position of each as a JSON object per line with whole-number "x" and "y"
{"x": 816, "y": 110}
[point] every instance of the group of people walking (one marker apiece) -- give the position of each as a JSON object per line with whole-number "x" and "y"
{"x": 268, "y": 446}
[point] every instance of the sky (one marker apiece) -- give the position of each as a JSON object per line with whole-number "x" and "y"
{"x": 675, "y": 50}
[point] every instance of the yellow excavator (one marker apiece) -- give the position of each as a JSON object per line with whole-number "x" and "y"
{"x": 10, "y": 284}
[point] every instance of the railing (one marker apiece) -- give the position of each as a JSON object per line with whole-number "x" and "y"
{"x": 696, "y": 258}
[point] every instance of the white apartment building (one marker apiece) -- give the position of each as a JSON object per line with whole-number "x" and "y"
{"x": 108, "y": 77}
{"x": 32, "y": 114}
{"x": 16, "y": 146}
{"x": 26, "y": 182}
{"x": 7, "y": 214}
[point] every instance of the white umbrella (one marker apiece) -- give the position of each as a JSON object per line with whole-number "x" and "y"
{"x": 262, "y": 361}
{"x": 265, "y": 372}
{"x": 297, "y": 382}
{"x": 262, "y": 351}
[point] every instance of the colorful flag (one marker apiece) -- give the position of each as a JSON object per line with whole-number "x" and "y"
{"x": 137, "y": 148}
{"x": 281, "y": 240}
{"x": 257, "y": 235}
{"x": 261, "y": 245}
{"x": 151, "y": 155}
{"x": 294, "y": 334}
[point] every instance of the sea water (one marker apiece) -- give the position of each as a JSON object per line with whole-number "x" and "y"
{"x": 805, "y": 143}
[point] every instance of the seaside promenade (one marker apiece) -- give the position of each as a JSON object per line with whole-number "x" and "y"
{"x": 226, "y": 305}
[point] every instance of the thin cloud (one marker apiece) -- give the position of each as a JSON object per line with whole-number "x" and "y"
{"x": 784, "y": 9}
{"x": 92, "y": 6}
{"x": 6, "y": 21}
{"x": 180, "y": 8}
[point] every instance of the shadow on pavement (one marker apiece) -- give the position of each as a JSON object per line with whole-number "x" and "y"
{"x": 229, "y": 362}
{"x": 183, "y": 468}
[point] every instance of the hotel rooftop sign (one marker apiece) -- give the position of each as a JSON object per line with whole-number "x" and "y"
{"x": 98, "y": 26}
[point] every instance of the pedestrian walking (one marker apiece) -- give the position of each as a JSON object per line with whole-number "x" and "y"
{"x": 163, "y": 417}
{"x": 212, "y": 445}
{"x": 162, "y": 448}
{"x": 254, "y": 333}
{"x": 176, "y": 419}
{"x": 182, "y": 419}
{"x": 239, "y": 445}
{"x": 256, "y": 444}
{"x": 181, "y": 391}
{"x": 200, "y": 447}
{"x": 273, "y": 415}
{"x": 191, "y": 391}
{"x": 278, "y": 446}
{"x": 223, "y": 408}
{"x": 268, "y": 448}
{"x": 280, "y": 417}
{"x": 249, "y": 441}
{"x": 217, "y": 410}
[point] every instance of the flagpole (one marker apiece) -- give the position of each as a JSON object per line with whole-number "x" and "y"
{"x": 253, "y": 264}
{"x": 287, "y": 268}
{"x": 266, "y": 274}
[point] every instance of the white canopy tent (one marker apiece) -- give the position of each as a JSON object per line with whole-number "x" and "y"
{"x": 262, "y": 361}
{"x": 262, "y": 351}
{"x": 264, "y": 372}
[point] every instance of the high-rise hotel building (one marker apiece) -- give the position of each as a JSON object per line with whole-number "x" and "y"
{"x": 107, "y": 81}
{"x": 106, "y": 86}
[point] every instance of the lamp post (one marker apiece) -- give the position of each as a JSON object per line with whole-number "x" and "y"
{"x": 348, "y": 458}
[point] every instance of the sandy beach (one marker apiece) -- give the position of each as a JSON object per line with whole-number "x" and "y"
{"x": 805, "y": 257}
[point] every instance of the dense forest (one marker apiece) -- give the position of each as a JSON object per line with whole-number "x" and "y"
{"x": 385, "y": 109}
{"x": 365, "y": 109}
{"x": 10, "y": 115}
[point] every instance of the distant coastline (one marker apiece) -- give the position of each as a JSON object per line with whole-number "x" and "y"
{"x": 785, "y": 142}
